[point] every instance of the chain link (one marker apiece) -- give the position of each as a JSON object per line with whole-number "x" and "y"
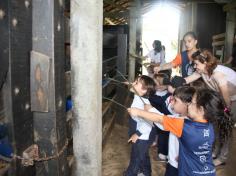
{"x": 43, "y": 158}
{"x": 53, "y": 156}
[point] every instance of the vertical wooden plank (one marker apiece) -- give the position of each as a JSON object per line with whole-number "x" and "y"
{"x": 121, "y": 65}
{"x": 132, "y": 40}
{"x": 50, "y": 127}
{"x": 122, "y": 53}
{"x": 229, "y": 34}
{"x": 15, "y": 46}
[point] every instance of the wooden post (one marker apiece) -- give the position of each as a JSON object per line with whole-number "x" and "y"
{"x": 132, "y": 39}
{"x": 86, "y": 75}
{"x": 48, "y": 86}
{"x": 187, "y": 23}
{"x": 122, "y": 53}
{"x": 194, "y": 16}
{"x": 229, "y": 34}
{"x": 15, "y": 46}
{"x": 15, "y": 27}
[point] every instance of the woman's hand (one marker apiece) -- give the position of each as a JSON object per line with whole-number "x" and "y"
{"x": 133, "y": 111}
{"x": 133, "y": 138}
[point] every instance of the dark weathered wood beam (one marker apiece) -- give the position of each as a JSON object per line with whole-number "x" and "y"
{"x": 230, "y": 6}
{"x": 48, "y": 86}
{"x": 123, "y": 7}
{"x": 114, "y": 5}
{"x": 109, "y": 21}
{"x": 15, "y": 46}
{"x": 117, "y": 14}
{"x": 179, "y": 1}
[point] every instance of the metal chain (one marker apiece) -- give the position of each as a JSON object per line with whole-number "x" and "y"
{"x": 53, "y": 156}
{"x": 43, "y": 158}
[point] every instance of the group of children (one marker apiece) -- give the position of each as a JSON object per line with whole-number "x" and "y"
{"x": 191, "y": 138}
{"x": 188, "y": 116}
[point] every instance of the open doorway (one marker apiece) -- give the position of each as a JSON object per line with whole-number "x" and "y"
{"x": 161, "y": 23}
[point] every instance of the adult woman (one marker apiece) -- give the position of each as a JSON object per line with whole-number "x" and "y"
{"x": 184, "y": 58}
{"x": 218, "y": 78}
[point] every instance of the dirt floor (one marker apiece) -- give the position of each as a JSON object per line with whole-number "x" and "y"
{"x": 116, "y": 154}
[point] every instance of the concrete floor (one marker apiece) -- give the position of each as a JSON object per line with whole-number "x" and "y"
{"x": 116, "y": 156}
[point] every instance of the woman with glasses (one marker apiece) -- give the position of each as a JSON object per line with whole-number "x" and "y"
{"x": 221, "y": 79}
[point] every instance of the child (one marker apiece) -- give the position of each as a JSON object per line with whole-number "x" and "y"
{"x": 196, "y": 136}
{"x": 158, "y": 101}
{"x": 218, "y": 78}
{"x": 156, "y": 55}
{"x": 139, "y": 129}
{"x": 183, "y": 59}
{"x": 179, "y": 105}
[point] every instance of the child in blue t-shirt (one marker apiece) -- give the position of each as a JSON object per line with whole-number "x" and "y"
{"x": 178, "y": 106}
{"x": 139, "y": 129}
{"x": 196, "y": 134}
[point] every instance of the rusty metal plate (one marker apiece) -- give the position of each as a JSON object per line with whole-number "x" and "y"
{"x": 39, "y": 81}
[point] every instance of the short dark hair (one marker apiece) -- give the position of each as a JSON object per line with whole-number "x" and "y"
{"x": 192, "y": 34}
{"x": 184, "y": 93}
{"x": 199, "y": 84}
{"x": 157, "y": 46}
{"x": 147, "y": 83}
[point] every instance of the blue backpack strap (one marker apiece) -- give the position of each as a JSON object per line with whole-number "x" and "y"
{"x": 185, "y": 62}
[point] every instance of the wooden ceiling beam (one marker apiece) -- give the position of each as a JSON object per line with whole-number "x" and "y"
{"x": 118, "y": 7}
{"x": 109, "y": 21}
{"x": 116, "y": 15}
{"x": 229, "y": 6}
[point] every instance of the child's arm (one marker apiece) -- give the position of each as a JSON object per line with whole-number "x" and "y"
{"x": 173, "y": 125}
{"x": 176, "y": 62}
{"x": 166, "y": 66}
{"x": 147, "y": 115}
{"x": 154, "y": 110}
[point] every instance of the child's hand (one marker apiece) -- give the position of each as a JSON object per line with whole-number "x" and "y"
{"x": 157, "y": 69}
{"x": 133, "y": 111}
{"x": 147, "y": 107}
{"x": 126, "y": 82}
{"x": 133, "y": 138}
